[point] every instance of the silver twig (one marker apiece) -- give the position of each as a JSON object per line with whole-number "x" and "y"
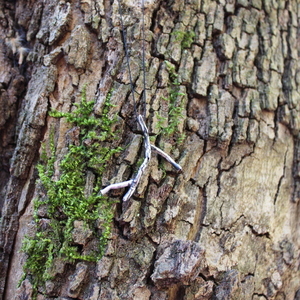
{"x": 115, "y": 186}
{"x": 133, "y": 183}
{"x": 167, "y": 158}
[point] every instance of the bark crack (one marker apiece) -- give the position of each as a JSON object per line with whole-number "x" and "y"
{"x": 264, "y": 234}
{"x": 255, "y": 295}
{"x": 232, "y": 166}
{"x": 281, "y": 178}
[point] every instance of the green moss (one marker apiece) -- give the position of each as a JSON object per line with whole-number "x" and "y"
{"x": 175, "y": 109}
{"x": 186, "y": 38}
{"x": 66, "y": 200}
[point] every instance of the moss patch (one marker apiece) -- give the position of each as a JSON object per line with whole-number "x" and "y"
{"x": 176, "y": 108}
{"x": 67, "y": 201}
{"x": 186, "y": 38}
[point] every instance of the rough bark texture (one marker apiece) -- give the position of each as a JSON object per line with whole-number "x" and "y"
{"x": 228, "y": 226}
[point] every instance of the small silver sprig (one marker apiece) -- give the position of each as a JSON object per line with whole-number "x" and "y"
{"x": 133, "y": 183}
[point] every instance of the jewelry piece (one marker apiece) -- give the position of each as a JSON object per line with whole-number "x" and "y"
{"x": 133, "y": 183}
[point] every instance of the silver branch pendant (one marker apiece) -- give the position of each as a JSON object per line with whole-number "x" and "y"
{"x": 133, "y": 183}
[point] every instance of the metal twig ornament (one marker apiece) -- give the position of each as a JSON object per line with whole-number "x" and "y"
{"x": 133, "y": 183}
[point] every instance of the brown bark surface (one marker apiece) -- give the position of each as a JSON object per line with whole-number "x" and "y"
{"x": 228, "y": 226}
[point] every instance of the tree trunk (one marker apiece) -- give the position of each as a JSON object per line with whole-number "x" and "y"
{"x": 222, "y": 99}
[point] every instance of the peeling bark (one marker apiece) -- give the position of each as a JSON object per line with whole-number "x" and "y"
{"x": 228, "y": 226}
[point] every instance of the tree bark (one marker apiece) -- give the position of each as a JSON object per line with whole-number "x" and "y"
{"x": 222, "y": 99}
